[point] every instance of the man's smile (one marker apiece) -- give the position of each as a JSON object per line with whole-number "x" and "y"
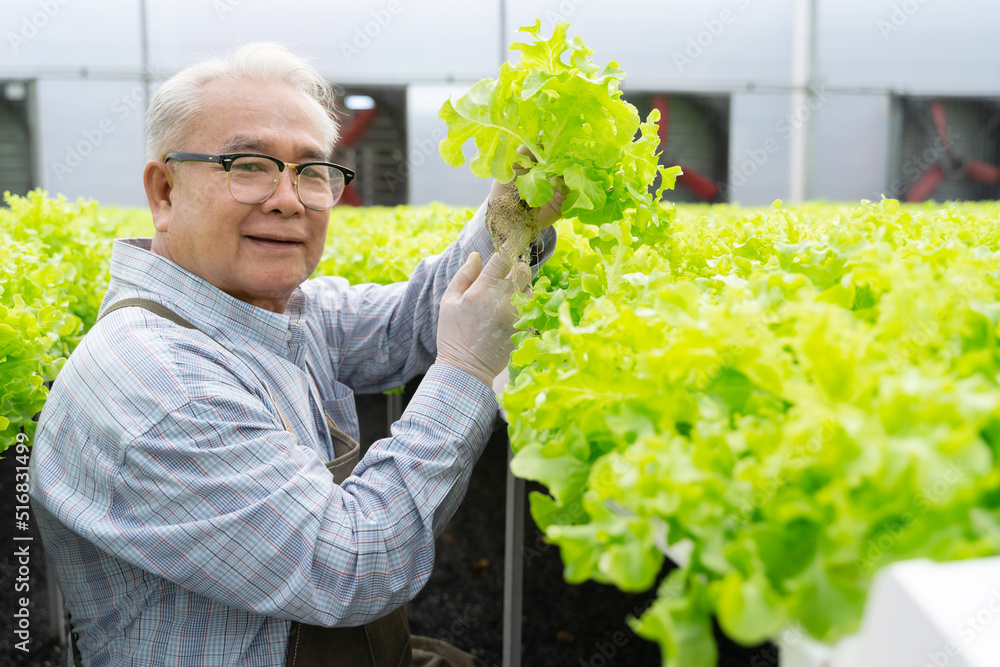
{"x": 274, "y": 240}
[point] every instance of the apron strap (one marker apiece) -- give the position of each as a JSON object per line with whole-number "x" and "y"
{"x": 154, "y": 307}
{"x": 158, "y": 308}
{"x": 343, "y": 465}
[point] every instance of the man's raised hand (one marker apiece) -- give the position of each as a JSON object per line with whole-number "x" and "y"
{"x": 477, "y": 319}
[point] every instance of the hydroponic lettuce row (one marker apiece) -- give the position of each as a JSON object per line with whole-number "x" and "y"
{"x": 383, "y": 245}
{"x": 53, "y": 274}
{"x": 54, "y": 269}
{"x": 802, "y": 396}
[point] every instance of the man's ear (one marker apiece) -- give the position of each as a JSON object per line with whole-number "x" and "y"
{"x": 158, "y": 179}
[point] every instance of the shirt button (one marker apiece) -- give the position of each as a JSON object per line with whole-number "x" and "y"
{"x": 288, "y": 335}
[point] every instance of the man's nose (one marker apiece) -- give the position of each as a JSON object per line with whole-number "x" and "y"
{"x": 285, "y": 198}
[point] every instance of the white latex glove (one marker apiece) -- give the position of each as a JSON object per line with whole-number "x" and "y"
{"x": 476, "y": 318}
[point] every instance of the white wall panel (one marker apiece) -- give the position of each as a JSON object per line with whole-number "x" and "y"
{"x": 48, "y": 37}
{"x": 676, "y": 43}
{"x": 759, "y": 148}
{"x": 84, "y": 52}
{"x": 918, "y": 45}
{"x": 98, "y": 154}
{"x": 430, "y": 177}
{"x": 851, "y": 141}
{"x": 366, "y": 41}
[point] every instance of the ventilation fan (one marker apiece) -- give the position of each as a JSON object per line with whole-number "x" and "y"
{"x": 373, "y": 143}
{"x": 693, "y": 132}
{"x": 16, "y": 164}
{"x": 950, "y": 149}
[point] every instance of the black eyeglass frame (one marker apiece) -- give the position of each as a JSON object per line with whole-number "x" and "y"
{"x": 225, "y": 160}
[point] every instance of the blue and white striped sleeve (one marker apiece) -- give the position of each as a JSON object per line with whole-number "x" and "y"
{"x": 381, "y": 336}
{"x": 214, "y": 496}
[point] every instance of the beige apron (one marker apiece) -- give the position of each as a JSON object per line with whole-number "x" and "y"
{"x": 385, "y": 642}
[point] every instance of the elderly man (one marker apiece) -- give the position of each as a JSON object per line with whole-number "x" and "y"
{"x": 182, "y": 465}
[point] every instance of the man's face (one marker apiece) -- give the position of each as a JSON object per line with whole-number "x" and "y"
{"x": 258, "y": 253}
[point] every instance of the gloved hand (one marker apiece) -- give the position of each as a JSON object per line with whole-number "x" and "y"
{"x": 476, "y": 318}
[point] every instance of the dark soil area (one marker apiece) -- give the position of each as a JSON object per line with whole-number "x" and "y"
{"x": 462, "y": 603}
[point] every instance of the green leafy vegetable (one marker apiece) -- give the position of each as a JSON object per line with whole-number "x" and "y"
{"x": 53, "y": 274}
{"x": 800, "y": 395}
{"x": 569, "y": 112}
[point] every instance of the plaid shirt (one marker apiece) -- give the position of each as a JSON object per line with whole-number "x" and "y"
{"x": 185, "y": 525}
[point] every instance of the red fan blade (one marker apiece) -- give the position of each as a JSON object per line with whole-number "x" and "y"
{"x": 662, "y": 103}
{"x": 702, "y": 186}
{"x": 981, "y": 171}
{"x": 941, "y": 122}
{"x": 926, "y": 184}
{"x": 353, "y": 132}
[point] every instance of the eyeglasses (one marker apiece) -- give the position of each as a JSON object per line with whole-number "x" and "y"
{"x": 253, "y": 177}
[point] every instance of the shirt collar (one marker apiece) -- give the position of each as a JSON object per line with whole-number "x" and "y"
{"x": 219, "y": 315}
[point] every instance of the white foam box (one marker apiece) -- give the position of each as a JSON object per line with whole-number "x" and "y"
{"x": 919, "y": 614}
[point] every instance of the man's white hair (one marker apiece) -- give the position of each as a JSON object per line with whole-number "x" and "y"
{"x": 175, "y": 106}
